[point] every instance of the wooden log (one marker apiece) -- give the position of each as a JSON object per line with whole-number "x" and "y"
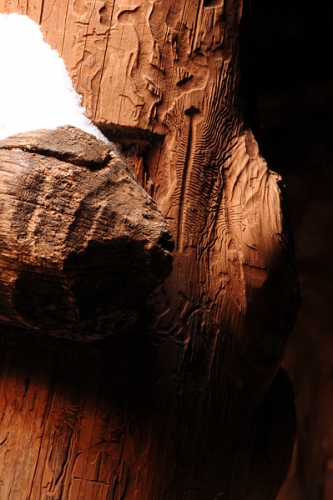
{"x": 83, "y": 245}
{"x": 170, "y": 410}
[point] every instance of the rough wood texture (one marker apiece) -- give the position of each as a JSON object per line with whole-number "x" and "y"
{"x": 191, "y": 388}
{"x": 65, "y": 143}
{"x": 81, "y": 248}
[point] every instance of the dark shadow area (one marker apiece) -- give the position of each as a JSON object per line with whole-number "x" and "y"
{"x": 120, "y": 370}
{"x": 290, "y": 51}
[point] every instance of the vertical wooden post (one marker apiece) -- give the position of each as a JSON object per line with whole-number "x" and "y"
{"x": 168, "y": 410}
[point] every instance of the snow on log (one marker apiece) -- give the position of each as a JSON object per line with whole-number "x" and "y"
{"x": 36, "y": 91}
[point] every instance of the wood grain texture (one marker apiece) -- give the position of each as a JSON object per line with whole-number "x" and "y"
{"x": 211, "y": 340}
{"x": 65, "y": 143}
{"x": 83, "y": 245}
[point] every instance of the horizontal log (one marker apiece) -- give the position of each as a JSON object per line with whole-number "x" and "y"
{"x": 82, "y": 244}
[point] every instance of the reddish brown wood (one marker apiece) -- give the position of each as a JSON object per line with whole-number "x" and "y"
{"x": 169, "y": 410}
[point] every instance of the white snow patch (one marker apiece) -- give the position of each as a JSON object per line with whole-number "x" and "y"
{"x": 36, "y": 91}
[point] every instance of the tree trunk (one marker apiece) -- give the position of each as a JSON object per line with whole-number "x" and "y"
{"x": 182, "y": 405}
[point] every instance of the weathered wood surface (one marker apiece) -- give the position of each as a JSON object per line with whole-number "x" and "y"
{"x": 190, "y": 388}
{"x": 65, "y": 143}
{"x": 82, "y": 244}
